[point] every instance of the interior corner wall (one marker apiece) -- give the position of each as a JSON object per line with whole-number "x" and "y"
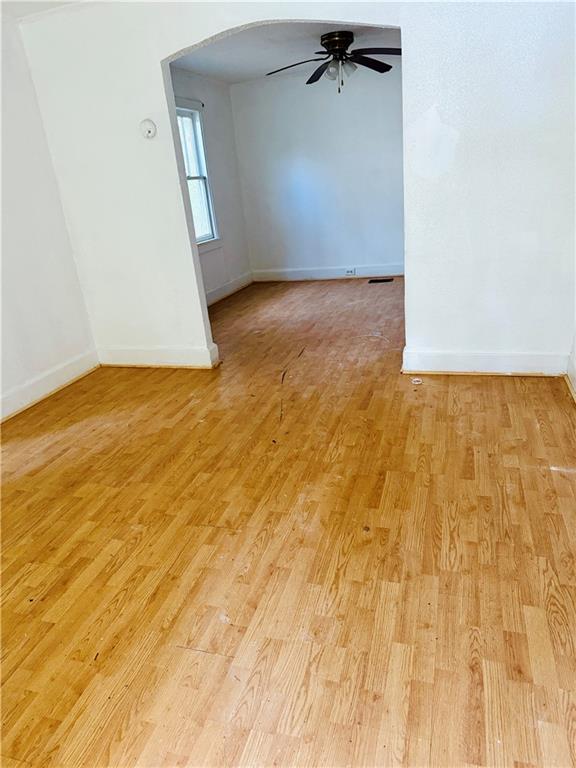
{"x": 46, "y": 336}
{"x": 225, "y": 266}
{"x": 121, "y": 191}
{"x": 321, "y": 174}
{"x": 572, "y": 360}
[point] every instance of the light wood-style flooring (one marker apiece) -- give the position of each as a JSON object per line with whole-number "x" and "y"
{"x": 297, "y": 559}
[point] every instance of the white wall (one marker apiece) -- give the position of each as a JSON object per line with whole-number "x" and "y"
{"x": 225, "y": 266}
{"x": 488, "y": 174}
{"x": 322, "y": 173}
{"x": 490, "y": 169}
{"x": 140, "y": 274}
{"x": 46, "y": 338}
{"x": 572, "y": 360}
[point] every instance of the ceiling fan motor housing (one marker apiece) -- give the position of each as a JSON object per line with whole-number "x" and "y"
{"x": 337, "y": 43}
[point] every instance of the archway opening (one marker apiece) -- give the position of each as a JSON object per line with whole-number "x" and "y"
{"x": 286, "y": 181}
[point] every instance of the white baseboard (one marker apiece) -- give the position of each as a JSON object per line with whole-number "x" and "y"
{"x": 172, "y": 357}
{"x": 228, "y": 288}
{"x": 327, "y": 273}
{"x": 26, "y": 394}
{"x": 510, "y": 363}
{"x": 572, "y": 370}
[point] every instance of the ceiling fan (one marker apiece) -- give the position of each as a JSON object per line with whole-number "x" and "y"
{"x": 338, "y": 60}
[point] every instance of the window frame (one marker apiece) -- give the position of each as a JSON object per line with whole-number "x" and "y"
{"x": 189, "y": 108}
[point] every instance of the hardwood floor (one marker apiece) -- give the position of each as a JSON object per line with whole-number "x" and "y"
{"x": 297, "y": 559}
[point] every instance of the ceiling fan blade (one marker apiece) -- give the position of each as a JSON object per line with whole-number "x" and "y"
{"x": 364, "y": 61}
{"x": 274, "y": 71}
{"x": 381, "y": 51}
{"x": 317, "y": 74}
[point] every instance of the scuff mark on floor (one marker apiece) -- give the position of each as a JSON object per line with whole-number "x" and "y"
{"x": 282, "y": 377}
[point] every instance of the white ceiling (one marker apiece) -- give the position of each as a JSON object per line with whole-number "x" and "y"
{"x": 252, "y": 52}
{"x": 23, "y": 8}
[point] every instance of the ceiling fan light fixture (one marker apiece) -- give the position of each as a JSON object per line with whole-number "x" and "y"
{"x": 336, "y": 61}
{"x": 349, "y": 68}
{"x": 332, "y": 71}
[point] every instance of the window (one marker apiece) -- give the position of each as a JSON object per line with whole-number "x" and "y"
{"x": 190, "y": 128}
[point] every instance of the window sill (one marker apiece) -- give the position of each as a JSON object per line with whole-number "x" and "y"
{"x": 209, "y": 245}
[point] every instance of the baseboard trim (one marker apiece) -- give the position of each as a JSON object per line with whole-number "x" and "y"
{"x": 571, "y": 374}
{"x": 40, "y": 387}
{"x": 489, "y": 363}
{"x": 161, "y": 357}
{"x": 327, "y": 273}
{"x": 232, "y": 286}
{"x": 570, "y": 386}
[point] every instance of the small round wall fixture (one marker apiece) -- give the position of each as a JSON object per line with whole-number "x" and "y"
{"x": 148, "y": 128}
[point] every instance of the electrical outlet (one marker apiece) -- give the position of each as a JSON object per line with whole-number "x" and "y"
{"x": 350, "y": 272}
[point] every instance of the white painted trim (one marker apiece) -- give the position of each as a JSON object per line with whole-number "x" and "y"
{"x": 183, "y": 103}
{"x": 39, "y": 387}
{"x": 327, "y": 273}
{"x": 422, "y": 361}
{"x": 228, "y": 288}
{"x": 571, "y": 389}
{"x": 209, "y": 245}
{"x": 176, "y": 357}
{"x": 571, "y": 371}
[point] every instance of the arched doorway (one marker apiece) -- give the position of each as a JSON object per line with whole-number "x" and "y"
{"x": 310, "y": 185}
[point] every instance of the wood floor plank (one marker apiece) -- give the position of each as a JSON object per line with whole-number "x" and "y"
{"x": 300, "y": 558}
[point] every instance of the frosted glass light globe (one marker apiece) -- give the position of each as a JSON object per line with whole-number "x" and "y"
{"x": 332, "y": 71}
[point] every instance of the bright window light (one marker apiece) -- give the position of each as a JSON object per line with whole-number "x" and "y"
{"x": 190, "y": 127}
